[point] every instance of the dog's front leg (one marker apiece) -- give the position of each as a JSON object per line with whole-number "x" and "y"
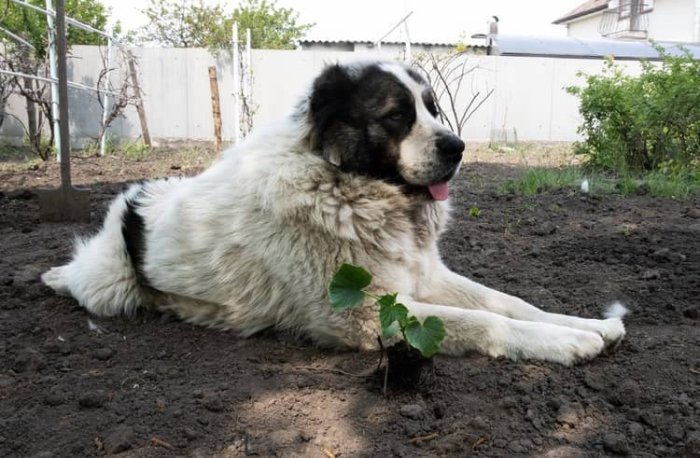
{"x": 447, "y": 287}
{"x": 496, "y": 335}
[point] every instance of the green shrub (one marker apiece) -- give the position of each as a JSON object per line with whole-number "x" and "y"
{"x": 644, "y": 123}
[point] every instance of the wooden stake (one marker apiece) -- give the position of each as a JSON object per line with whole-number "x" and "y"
{"x": 139, "y": 101}
{"x": 215, "y": 108}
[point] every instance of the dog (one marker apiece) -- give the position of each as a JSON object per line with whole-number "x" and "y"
{"x": 358, "y": 173}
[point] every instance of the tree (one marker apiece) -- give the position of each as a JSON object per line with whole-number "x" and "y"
{"x": 31, "y": 26}
{"x": 271, "y": 27}
{"x": 446, "y": 73}
{"x": 184, "y": 24}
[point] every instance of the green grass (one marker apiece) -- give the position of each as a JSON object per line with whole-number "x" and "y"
{"x": 656, "y": 184}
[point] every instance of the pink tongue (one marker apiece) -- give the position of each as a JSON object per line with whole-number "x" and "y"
{"x": 439, "y": 191}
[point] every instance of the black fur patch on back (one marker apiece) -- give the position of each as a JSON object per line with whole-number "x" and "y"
{"x": 134, "y": 233}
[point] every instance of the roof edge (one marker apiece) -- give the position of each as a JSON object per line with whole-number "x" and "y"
{"x": 580, "y": 14}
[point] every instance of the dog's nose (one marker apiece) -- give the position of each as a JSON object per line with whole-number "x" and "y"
{"x": 450, "y": 145}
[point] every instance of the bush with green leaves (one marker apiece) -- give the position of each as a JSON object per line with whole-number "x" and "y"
{"x": 348, "y": 288}
{"x": 643, "y": 123}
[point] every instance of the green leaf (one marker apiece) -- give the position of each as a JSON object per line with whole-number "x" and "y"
{"x": 345, "y": 290}
{"x": 391, "y": 330}
{"x": 391, "y": 314}
{"x": 426, "y": 337}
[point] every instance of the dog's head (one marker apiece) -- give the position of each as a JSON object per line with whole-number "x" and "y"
{"x": 379, "y": 120}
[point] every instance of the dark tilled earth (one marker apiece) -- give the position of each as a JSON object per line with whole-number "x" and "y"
{"x": 72, "y": 385}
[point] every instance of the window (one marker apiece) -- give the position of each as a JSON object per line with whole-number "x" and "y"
{"x": 627, "y": 7}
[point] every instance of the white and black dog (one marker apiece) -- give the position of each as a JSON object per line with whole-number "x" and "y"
{"x": 358, "y": 173}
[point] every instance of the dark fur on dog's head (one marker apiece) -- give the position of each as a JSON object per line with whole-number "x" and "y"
{"x": 378, "y": 120}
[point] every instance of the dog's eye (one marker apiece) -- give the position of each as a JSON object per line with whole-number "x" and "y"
{"x": 395, "y": 116}
{"x": 432, "y": 107}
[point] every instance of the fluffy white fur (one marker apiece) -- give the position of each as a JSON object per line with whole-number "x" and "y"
{"x": 253, "y": 242}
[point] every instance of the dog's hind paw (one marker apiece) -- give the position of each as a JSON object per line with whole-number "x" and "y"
{"x": 54, "y": 279}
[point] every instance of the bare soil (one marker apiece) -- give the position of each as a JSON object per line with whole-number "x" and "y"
{"x": 73, "y": 385}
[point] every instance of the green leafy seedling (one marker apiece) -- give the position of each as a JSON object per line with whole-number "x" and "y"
{"x": 474, "y": 212}
{"x": 348, "y": 289}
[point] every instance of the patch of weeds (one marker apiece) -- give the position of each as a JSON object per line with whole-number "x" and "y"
{"x": 134, "y": 151}
{"x": 21, "y": 166}
{"x": 655, "y": 184}
{"x": 541, "y": 179}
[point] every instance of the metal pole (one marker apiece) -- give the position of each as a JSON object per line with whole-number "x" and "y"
{"x": 63, "y": 93}
{"x": 53, "y": 71}
{"x": 248, "y": 65}
{"x": 236, "y": 87}
{"x": 408, "y": 42}
{"x": 105, "y": 105}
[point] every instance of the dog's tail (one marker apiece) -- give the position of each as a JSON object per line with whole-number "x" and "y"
{"x": 101, "y": 276}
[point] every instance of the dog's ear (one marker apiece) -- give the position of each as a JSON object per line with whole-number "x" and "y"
{"x": 329, "y": 104}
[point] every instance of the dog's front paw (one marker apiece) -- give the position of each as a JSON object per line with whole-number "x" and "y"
{"x": 549, "y": 342}
{"x": 612, "y": 331}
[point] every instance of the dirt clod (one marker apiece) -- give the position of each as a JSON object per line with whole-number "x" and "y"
{"x": 412, "y": 411}
{"x": 93, "y": 399}
{"x": 120, "y": 439}
{"x": 615, "y": 443}
{"x": 103, "y": 353}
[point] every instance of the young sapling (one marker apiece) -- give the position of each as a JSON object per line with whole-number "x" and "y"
{"x": 421, "y": 341}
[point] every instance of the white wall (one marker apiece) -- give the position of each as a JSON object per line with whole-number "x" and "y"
{"x": 586, "y": 27}
{"x": 529, "y": 97}
{"x": 672, "y": 20}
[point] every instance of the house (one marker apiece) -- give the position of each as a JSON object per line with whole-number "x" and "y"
{"x": 659, "y": 20}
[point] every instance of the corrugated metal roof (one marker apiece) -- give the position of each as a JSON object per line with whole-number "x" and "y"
{"x": 510, "y": 45}
{"x": 584, "y": 9}
{"x": 370, "y": 42}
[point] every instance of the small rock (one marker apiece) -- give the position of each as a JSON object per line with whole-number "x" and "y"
{"x": 615, "y": 443}
{"x": 566, "y": 451}
{"x": 54, "y": 398}
{"x": 103, "y": 354}
{"x": 569, "y": 413}
{"x": 213, "y": 403}
{"x": 29, "y": 360}
{"x": 693, "y": 212}
{"x": 665, "y": 254}
{"x": 439, "y": 411}
{"x": 190, "y": 434}
{"x": 412, "y": 411}
{"x": 651, "y": 274}
{"x": 628, "y": 393}
{"x": 479, "y": 423}
{"x": 545, "y": 228}
{"x": 593, "y": 381}
{"x": 412, "y": 428}
{"x": 692, "y": 445}
{"x": 6, "y": 381}
{"x": 635, "y": 429}
{"x": 120, "y": 440}
{"x": 55, "y": 345}
{"x": 676, "y": 433}
{"x": 93, "y": 399}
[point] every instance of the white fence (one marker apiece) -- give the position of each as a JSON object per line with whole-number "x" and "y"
{"x": 528, "y": 100}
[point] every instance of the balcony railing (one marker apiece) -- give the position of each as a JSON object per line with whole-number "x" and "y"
{"x": 626, "y": 19}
